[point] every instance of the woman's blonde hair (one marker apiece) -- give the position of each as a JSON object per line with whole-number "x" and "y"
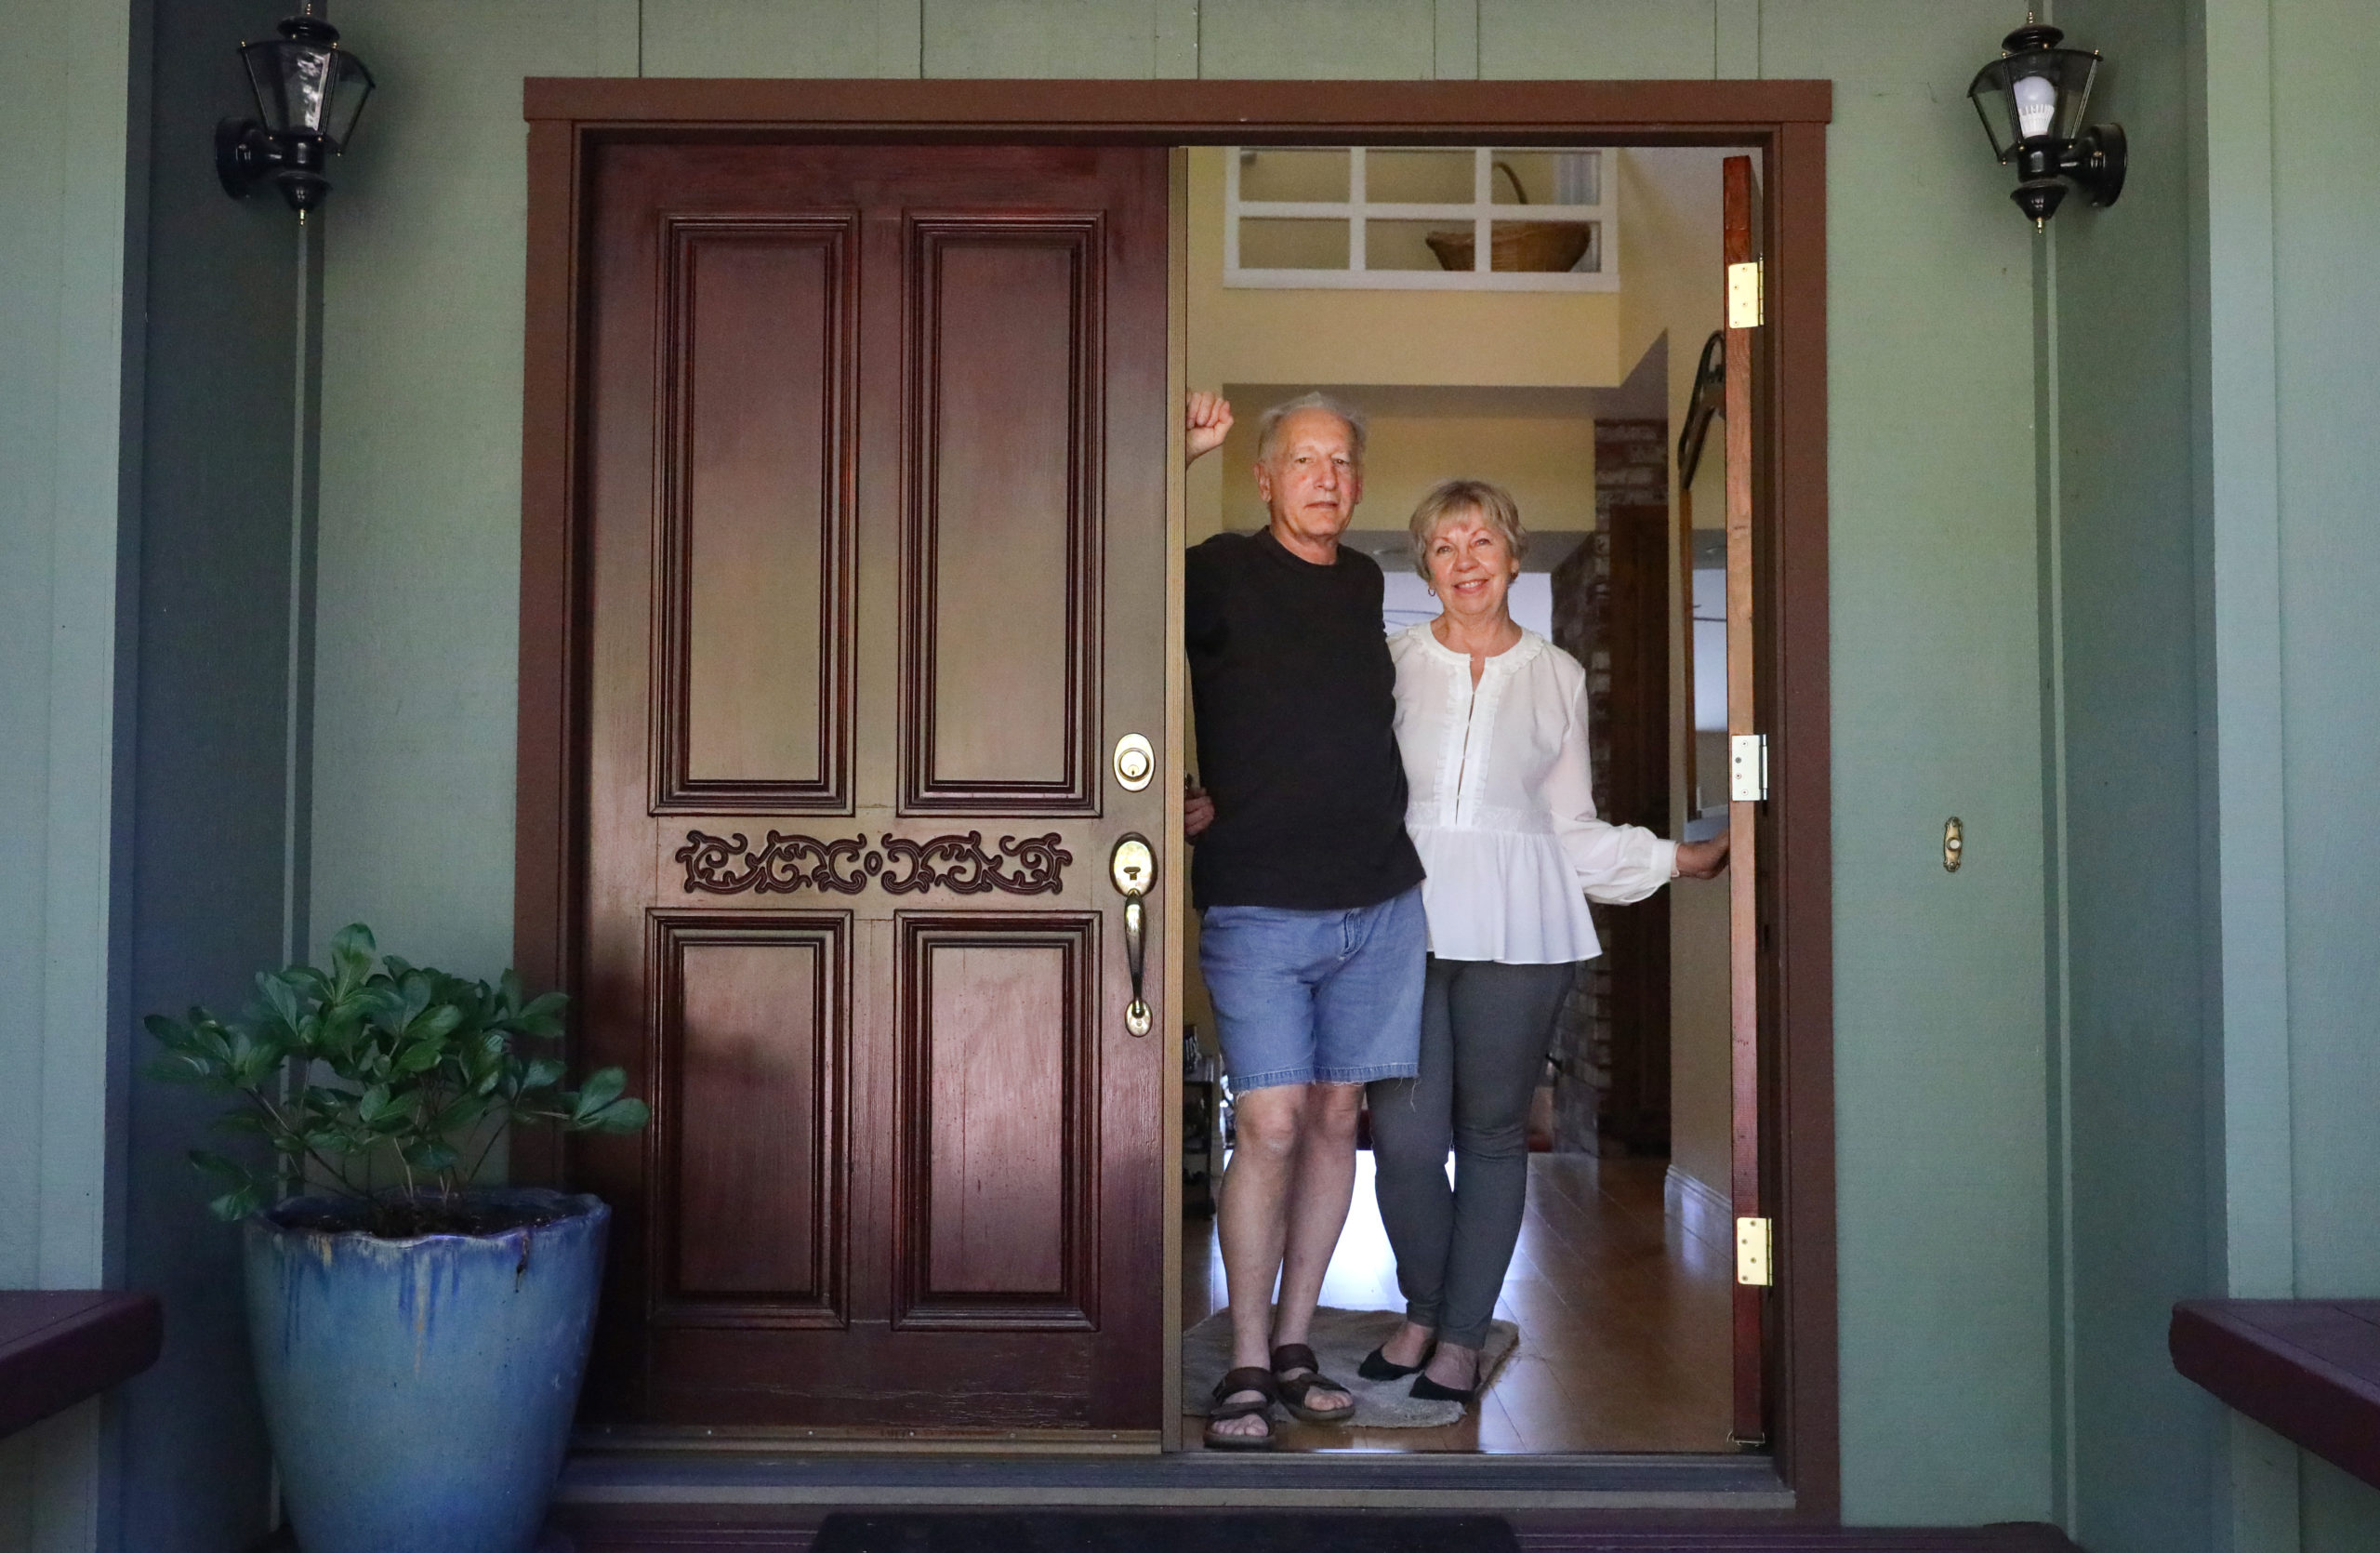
{"x": 1449, "y": 498}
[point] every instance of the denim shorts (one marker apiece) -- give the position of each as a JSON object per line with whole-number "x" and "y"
{"x": 1316, "y": 997}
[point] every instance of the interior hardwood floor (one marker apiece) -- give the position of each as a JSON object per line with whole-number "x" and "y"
{"x": 1622, "y": 1310}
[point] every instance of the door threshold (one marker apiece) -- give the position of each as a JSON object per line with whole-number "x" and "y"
{"x": 638, "y": 1475}
{"x": 762, "y": 1441}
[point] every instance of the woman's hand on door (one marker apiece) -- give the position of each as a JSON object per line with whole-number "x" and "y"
{"x": 1703, "y": 859}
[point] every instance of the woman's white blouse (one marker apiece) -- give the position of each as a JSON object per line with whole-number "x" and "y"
{"x": 1501, "y": 806}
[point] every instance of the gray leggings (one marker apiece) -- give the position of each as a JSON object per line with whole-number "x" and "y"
{"x": 1485, "y": 1032}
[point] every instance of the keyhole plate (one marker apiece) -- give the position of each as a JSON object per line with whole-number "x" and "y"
{"x": 1132, "y": 866}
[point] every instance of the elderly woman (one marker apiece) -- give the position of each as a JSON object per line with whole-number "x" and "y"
{"x": 1492, "y": 721}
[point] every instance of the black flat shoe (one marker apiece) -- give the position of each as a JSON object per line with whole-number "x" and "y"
{"x": 1376, "y": 1365}
{"x": 1429, "y": 1390}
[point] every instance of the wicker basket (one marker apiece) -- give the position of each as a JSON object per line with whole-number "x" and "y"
{"x": 1545, "y": 247}
{"x": 1538, "y": 245}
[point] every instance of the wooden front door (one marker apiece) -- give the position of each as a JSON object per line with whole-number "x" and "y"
{"x": 874, "y": 443}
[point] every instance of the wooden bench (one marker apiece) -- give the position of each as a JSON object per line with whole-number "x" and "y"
{"x": 2306, "y": 1368}
{"x": 59, "y": 1347}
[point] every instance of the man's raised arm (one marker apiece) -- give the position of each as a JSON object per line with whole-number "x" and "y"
{"x": 1208, "y": 423}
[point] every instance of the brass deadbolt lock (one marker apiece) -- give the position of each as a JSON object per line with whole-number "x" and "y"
{"x": 1135, "y": 762}
{"x": 1954, "y": 844}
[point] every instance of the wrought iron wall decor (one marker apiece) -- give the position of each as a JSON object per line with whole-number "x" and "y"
{"x": 782, "y": 864}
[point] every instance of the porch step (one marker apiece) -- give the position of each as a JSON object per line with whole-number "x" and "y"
{"x": 1227, "y": 1532}
{"x": 2006, "y": 1537}
{"x": 1046, "y": 1531}
{"x": 682, "y": 1483}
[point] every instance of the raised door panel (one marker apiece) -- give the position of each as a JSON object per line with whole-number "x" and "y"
{"x": 749, "y": 1139}
{"x": 1001, "y": 584}
{"x": 755, "y": 576}
{"x": 998, "y": 1090}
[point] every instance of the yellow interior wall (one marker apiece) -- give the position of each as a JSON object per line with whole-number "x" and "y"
{"x": 1547, "y": 462}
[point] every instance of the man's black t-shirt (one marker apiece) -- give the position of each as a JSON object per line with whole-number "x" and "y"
{"x": 1296, "y": 701}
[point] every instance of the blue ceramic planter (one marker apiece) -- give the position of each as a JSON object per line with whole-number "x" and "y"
{"x": 419, "y": 1392}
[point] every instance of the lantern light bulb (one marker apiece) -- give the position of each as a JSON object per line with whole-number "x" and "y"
{"x": 2036, "y": 105}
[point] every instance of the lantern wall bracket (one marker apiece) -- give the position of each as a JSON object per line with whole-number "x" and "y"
{"x": 245, "y": 155}
{"x": 309, "y": 94}
{"x": 2032, "y": 101}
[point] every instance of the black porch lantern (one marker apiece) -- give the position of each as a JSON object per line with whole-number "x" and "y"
{"x": 2031, "y": 101}
{"x": 309, "y": 92}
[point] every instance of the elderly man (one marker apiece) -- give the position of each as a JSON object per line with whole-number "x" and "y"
{"x": 1312, "y": 939}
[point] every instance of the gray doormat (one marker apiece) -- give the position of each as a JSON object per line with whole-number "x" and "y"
{"x": 1340, "y": 1338}
{"x": 1046, "y": 1531}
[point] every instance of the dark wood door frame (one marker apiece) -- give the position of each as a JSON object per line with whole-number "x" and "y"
{"x": 1785, "y": 121}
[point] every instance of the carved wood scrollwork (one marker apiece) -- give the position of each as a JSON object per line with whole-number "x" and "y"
{"x": 782, "y": 864}
{"x": 959, "y": 863}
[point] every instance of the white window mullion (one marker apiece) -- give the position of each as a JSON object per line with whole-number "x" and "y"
{"x": 1231, "y": 212}
{"x": 1355, "y": 197}
{"x": 1482, "y": 193}
{"x": 1358, "y": 210}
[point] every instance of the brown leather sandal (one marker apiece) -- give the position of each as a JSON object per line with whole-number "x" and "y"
{"x": 1295, "y": 1389}
{"x": 1268, "y": 1392}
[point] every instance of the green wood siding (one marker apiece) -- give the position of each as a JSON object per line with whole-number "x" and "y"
{"x": 751, "y": 37}
{"x": 2326, "y": 229}
{"x": 1314, "y": 40}
{"x": 2122, "y": 582}
{"x": 1654, "y": 40}
{"x": 1938, "y": 1026}
{"x": 65, "y": 70}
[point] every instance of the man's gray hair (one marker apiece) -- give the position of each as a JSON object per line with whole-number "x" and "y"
{"x": 1268, "y": 426}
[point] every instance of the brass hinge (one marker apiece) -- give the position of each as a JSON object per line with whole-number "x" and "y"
{"x": 1747, "y": 768}
{"x": 1745, "y": 302}
{"x": 1751, "y": 1253}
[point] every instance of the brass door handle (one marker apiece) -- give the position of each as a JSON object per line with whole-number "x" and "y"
{"x": 1132, "y": 866}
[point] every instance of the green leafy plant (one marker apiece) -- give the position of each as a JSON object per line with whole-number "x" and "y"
{"x": 378, "y": 1064}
